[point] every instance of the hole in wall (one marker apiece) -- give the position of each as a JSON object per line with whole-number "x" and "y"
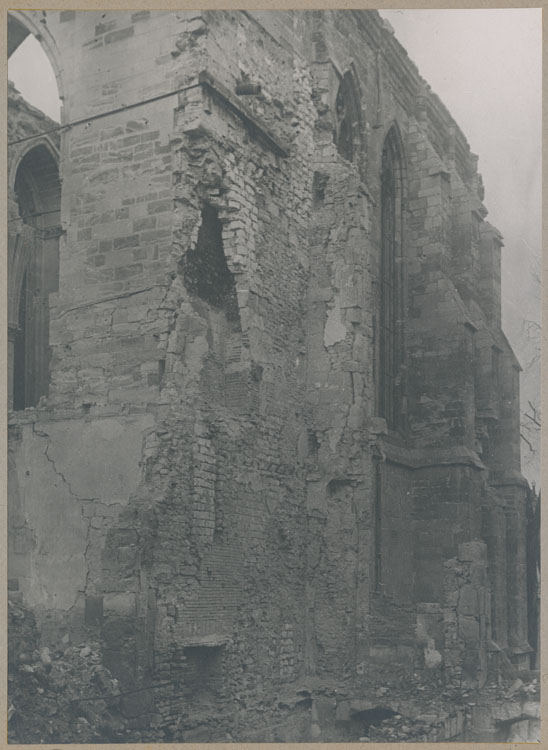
{"x": 205, "y": 270}
{"x": 372, "y": 717}
{"x": 337, "y": 485}
{"x": 203, "y": 672}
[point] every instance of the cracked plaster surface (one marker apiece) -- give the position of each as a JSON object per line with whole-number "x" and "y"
{"x": 56, "y": 568}
{"x": 61, "y": 490}
{"x": 77, "y": 450}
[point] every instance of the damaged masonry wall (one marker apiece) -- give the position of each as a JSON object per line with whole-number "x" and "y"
{"x": 250, "y": 467}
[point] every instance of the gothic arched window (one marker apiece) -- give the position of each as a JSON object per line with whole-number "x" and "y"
{"x": 33, "y": 272}
{"x": 391, "y": 400}
{"x": 347, "y": 118}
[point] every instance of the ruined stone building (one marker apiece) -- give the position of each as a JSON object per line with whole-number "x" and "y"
{"x": 264, "y": 422}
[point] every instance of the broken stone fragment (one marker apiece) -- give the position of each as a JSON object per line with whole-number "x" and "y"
{"x": 531, "y": 709}
{"x": 45, "y": 657}
{"x": 515, "y": 686}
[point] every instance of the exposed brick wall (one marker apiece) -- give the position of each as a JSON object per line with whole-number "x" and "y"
{"x": 217, "y": 327}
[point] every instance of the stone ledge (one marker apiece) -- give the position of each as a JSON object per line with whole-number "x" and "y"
{"x": 250, "y": 120}
{"x": 210, "y": 641}
{"x": 417, "y": 458}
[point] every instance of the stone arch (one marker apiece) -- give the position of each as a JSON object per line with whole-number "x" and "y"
{"x": 391, "y": 385}
{"x": 33, "y": 271}
{"x": 18, "y": 153}
{"x": 20, "y": 25}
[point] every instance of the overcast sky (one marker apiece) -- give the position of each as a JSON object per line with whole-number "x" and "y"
{"x": 485, "y": 65}
{"x": 32, "y": 74}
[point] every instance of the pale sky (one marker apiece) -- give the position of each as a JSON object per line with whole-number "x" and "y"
{"x": 485, "y": 65}
{"x": 31, "y": 72}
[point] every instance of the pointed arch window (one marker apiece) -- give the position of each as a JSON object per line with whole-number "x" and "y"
{"x": 34, "y": 196}
{"x": 33, "y": 274}
{"x": 391, "y": 370}
{"x": 347, "y": 119}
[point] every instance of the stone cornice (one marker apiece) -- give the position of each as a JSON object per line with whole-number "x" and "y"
{"x": 512, "y": 479}
{"x": 417, "y": 458}
{"x": 237, "y": 107}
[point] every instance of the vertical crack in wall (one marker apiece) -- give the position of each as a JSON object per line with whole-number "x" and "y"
{"x": 59, "y": 473}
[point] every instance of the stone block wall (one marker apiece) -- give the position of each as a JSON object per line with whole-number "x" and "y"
{"x": 466, "y": 616}
{"x": 237, "y": 504}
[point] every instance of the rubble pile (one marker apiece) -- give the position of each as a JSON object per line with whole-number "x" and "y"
{"x": 403, "y": 705}
{"x": 64, "y": 694}
{"x": 60, "y": 694}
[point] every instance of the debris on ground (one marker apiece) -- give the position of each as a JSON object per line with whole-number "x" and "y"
{"x": 61, "y": 695}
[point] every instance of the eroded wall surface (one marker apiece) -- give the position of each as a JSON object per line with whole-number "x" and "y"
{"x": 210, "y": 487}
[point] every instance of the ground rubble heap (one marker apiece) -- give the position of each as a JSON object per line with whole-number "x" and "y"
{"x": 58, "y": 694}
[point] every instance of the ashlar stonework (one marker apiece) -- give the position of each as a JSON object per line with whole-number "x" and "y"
{"x": 264, "y": 438}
